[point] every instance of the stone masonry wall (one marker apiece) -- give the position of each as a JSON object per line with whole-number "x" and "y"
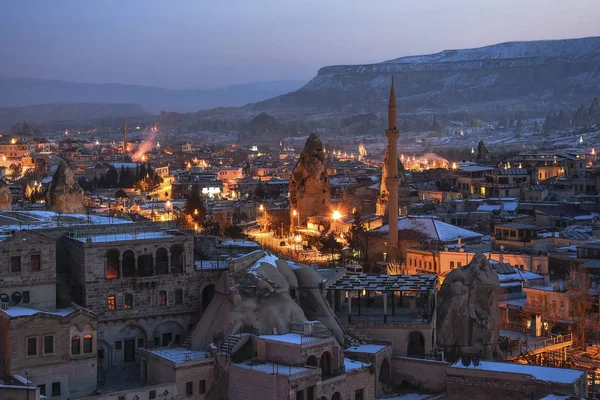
{"x": 425, "y": 374}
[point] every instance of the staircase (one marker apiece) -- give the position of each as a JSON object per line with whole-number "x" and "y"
{"x": 188, "y": 340}
{"x": 229, "y": 345}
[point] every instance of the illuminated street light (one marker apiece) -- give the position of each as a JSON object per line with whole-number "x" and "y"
{"x": 336, "y": 215}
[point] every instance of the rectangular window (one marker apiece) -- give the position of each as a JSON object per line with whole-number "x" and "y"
{"x": 32, "y": 347}
{"x": 87, "y": 344}
{"x": 152, "y": 394}
{"x": 36, "y": 263}
{"x": 100, "y": 354}
{"x": 202, "y": 386}
{"x": 178, "y": 296}
{"x": 189, "y": 388}
{"x": 121, "y": 397}
{"x": 451, "y": 264}
{"x": 48, "y": 344}
{"x": 167, "y": 337}
{"x": 128, "y": 301}
{"x": 42, "y": 389}
{"x": 26, "y": 296}
{"x": 55, "y": 388}
{"x": 458, "y": 264}
{"x": 75, "y": 345}
{"x": 359, "y": 394}
{"x": 111, "y": 303}
{"x": 15, "y": 264}
{"x": 177, "y": 339}
{"x": 300, "y": 395}
{"x": 162, "y": 298}
{"x": 118, "y": 345}
{"x": 310, "y": 393}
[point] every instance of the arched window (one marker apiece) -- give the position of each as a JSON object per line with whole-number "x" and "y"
{"x": 75, "y": 345}
{"x": 162, "y": 261}
{"x": 87, "y": 344}
{"x": 128, "y": 301}
{"x": 112, "y": 264}
{"x": 128, "y": 263}
{"x": 177, "y": 256}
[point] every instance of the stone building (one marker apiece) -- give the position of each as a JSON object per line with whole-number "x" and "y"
{"x": 28, "y": 270}
{"x": 55, "y": 351}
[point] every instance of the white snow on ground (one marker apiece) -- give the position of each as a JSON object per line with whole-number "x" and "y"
{"x": 547, "y": 374}
{"x": 407, "y": 396}
{"x": 350, "y": 365}
{"x": 293, "y": 338}
{"x": 27, "y": 312}
{"x": 272, "y": 368}
{"x": 268, "y": 258}
{"x": 17, "y": 220}
{"x": 432, "y": 228}
{"x": 366, "y": 348}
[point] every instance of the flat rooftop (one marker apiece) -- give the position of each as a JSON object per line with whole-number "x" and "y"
{"x": 366, "y": 348}
{"x": 547, "y": 374}
{"x": 179, "y": 354}
{"x": 274, "y": 368}
{"x": 292, "y": 338}
{"x": 121, "y": 237}
{"x": 15, "y": 312}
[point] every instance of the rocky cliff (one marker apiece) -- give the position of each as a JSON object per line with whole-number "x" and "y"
{"x": 532, "y": 76}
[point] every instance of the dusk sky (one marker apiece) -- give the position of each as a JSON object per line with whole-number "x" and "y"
{"x": 203, "y": 43}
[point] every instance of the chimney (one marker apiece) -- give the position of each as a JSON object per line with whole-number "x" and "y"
{"x": 308, "y": 327}
{"x": 459, "y": 243}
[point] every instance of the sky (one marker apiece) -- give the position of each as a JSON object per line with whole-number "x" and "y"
{"x": 212, "y": 43}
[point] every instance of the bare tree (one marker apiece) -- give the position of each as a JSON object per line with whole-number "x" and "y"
{"x": 580, "y": 302}
{"x": 396, "y": 268}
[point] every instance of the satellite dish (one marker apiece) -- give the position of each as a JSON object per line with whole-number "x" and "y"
{"x": 476, "y": 362}
{"x": 466, "y": 361}
{"x": 3, "y": 298}
{"x": 17, "y": 297}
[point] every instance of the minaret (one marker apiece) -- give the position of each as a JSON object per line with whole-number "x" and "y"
{"x": 124, "y": 131}
{"x": 392, "y": 180}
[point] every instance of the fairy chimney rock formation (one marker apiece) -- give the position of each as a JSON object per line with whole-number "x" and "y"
{"x": 483, "y": 155}
{"x": 64, "y": 195}
{"x": 5, "y": 196}
{"x": 309, "y": 183}
{"x": 467, "y": 315}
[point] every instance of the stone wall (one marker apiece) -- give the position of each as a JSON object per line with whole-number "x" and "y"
{"x": 162, "y": 371}
{"x": 76, "y": 373}
{"x": 296, "y": 354}
{"x": 462, "y": 383}
{"x": 19, "y": 392}
{"x": 143, "y": 393}
{"x": 398, "y": 335}
{"x": 425, "y": 374}
{"x": 245, "y": 384}
{"x": 364, "y": 379}
{"x": 245, "y": 261}
{"x": 41, "y": 284}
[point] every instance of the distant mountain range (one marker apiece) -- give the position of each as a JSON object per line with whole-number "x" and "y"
{"x": 16, "y": 92}
{"x": 517, "y": 76}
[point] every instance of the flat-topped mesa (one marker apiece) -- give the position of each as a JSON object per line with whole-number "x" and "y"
{"x": 309, "y": 184}
{"x": 5, "y": 196}
{"x": 64, "y": 195}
